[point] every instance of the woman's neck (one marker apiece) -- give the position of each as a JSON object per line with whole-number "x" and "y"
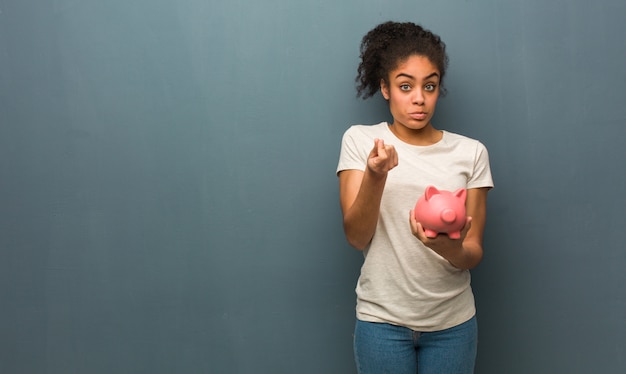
{"x": 425, "y": 136}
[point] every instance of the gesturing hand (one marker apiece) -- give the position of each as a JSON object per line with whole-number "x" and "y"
{"x": 382, "y": 158}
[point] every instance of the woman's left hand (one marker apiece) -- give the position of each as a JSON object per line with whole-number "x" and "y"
{"x": 466, "y": 252}
{"x": 441, "y": 244}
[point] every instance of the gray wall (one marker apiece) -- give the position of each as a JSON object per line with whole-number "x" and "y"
{"x": 168, "y": 202}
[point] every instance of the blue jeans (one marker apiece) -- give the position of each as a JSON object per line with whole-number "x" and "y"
{"x": 383, "y": 348}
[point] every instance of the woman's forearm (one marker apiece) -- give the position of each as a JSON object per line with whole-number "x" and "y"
{"x": 361, "y": 217}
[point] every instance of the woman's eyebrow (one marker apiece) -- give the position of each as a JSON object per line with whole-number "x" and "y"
{"x": 434, "y": 74}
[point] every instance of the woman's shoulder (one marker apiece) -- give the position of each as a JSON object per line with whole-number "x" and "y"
{"x": 452, "y": 137}
{"x": 379, "y": 130}
{"x": 369, "y": 129}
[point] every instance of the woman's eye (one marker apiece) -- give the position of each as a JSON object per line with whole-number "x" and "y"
{"x": 429, "y": 87}
{"x": 405, "y": 87}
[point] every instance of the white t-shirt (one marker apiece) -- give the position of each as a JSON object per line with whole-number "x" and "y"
{"x": 402, "y": 281}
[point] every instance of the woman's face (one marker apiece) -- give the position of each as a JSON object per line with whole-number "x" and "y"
{"x": 412, "y": 92}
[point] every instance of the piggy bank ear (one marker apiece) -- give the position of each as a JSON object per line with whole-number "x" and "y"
{"x": 430, "y": 192}
{"x": 461, "y": 193}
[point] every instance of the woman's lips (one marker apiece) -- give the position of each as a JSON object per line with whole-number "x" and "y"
{"x": 418, "y": 115}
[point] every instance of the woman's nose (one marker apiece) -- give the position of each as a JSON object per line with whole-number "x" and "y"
{"x": 418, "y": 98}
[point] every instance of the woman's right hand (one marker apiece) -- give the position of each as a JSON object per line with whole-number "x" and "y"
{"x": 382, "y": 158}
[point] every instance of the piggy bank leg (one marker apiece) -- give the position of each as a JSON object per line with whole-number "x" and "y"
{"x": 454, "y": 235}
{"x": 430, "y": 233}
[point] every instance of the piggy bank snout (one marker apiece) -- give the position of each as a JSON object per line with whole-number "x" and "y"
{"x": 448, "y": 216}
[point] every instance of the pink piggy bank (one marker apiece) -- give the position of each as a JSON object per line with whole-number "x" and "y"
{"x": 441, "y": 211}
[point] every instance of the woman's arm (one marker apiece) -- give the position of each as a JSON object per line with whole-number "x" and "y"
{"x": 467, "y": 252}
{"x": 360, "y": 193}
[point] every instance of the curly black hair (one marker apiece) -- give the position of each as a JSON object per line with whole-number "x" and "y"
{"x": 389, "y": 44}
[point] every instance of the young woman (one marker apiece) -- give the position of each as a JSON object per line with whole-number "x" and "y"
{"x": 415, "y": 307}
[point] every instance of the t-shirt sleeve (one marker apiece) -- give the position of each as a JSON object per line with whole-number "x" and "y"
{"x": 353, "y": 156}
{"x": 481, "y": 177}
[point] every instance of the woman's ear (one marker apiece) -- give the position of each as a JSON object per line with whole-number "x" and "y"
{"x": 384, "y": 89}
